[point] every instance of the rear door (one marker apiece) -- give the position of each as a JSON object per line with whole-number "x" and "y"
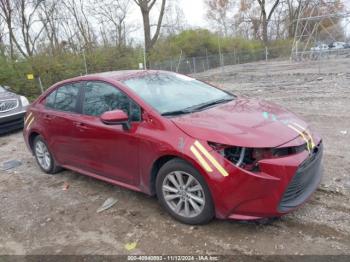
{"x": 59, "y": 116}
{"x": 108, "y": 151}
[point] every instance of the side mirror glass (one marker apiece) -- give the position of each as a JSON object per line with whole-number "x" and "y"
{"x": 116, "y": 117}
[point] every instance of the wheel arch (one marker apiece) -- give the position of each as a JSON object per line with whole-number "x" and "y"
{"x": 31, "y": 139}
{"x": 161, "y": 161}
{"x": 157, "y": 165}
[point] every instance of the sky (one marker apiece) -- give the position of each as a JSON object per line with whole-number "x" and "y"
{"x": 195, "y": 16}
{"x": 194, "y": 11}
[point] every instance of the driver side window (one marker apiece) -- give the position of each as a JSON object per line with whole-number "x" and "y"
{"x": 100, "y": 97}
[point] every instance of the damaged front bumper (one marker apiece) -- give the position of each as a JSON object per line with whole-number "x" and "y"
{"x": 280, "y": 186}
{"x": 304, "y": 182}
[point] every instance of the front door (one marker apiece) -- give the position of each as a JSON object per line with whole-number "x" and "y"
{"x": 105, "y": 150}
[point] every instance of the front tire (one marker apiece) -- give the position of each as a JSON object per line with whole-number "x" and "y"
{"x": 183, "y": 192}
{"x": 44, "y": 157}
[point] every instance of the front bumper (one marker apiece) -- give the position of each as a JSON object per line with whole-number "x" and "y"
{"x": 304, "y": 182}
{"x": 282, "y": 185}
{"x": 11, "y": 121}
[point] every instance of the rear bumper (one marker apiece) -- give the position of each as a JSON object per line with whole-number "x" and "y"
{"x": 11, "y": 122}
{"x": 282, "y": 185}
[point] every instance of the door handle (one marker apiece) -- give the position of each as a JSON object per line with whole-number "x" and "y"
{"x": 48, "y": 117}
{"x": 81, "y": 126}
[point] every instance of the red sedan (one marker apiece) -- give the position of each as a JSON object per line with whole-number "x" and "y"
{"x": 203, "y": 151}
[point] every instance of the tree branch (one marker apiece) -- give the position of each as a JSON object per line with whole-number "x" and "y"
{"x": 159, "y": 24}
{"x": 273, "y": 9}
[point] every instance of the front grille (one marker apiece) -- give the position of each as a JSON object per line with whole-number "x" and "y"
{"x": 304, "y": 182}
{"x": 8, "y": 105}
{"x": 13, "y": 124}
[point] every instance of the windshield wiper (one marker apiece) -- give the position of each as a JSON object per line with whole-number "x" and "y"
{"x": 211, "y": 103}
{"x": 177, "y": 112}
{"x": 196, "y": 108}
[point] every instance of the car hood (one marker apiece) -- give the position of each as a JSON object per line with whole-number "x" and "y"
{"x": 243, "y": 122}
{"x": 7, "y": 95}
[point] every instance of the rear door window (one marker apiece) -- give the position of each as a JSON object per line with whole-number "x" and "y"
{"x": 64, "y": 98}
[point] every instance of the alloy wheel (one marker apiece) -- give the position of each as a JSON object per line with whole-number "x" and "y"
{"x": 43, "y": 155}
{"x": 183, "y": 194}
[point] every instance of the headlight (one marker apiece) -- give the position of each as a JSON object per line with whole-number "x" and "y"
{"x": 24, "y": 101}
{"x": 246, "y": 158}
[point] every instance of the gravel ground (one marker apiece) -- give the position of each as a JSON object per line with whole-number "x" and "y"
{"x": 38, "y": 217}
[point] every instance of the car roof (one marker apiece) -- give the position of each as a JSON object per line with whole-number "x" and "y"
{"x": 122, "y": 75}
{"x": 112, "y": 75}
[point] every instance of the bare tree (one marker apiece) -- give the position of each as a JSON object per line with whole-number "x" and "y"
{"x": 20, "y": 18}
{"x": 293, "y": 8}
{"x": 219, "y": 11}
{"x": 113, "y": 12}
{"x": 247, "y": 19}
{"x": 174, "y": 19}
{"x": 69, "y": 32}
{"x": 2, "y": 37}
{"x": 84, "y": 31}
{"x": 145, "y": 8}
{"x": 278, "y": 28}
{"x": 6, "y": 12}
{"x": 49, "y": 13}
{"x": 266, "y": 17}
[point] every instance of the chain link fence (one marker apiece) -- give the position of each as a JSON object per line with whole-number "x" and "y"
{"x": 320, "y": 54}
{"x": 82, "y": 64}
{"x": 193, "y": 65}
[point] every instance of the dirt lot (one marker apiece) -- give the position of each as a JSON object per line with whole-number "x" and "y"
{"x": 38, "y": 217}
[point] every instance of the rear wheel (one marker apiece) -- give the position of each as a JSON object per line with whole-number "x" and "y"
{"x": 182, "y": 191}
{"x": 44, "y": 157}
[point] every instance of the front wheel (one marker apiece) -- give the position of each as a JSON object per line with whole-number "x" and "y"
{"x": 183, "y": 192}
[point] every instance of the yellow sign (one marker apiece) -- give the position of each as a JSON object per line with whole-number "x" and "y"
{"x": 30, "y": 76}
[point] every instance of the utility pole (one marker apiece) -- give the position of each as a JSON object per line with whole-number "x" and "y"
{"x": 85, "y": 64}
{"x": 144, "y": 57}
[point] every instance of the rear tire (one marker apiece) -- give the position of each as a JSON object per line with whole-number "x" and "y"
{"x": 183, "y": 192}
{"x": 44, "y": 157}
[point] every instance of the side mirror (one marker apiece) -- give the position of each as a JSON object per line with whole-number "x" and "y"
{"x": 116, "y": 117}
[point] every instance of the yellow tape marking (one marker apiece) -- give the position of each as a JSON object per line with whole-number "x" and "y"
{"x": 302, "y": 135}
{"x": 204, "y": 163}
{"x": 27, "y": 118}
{"x": 211, "y": 159}
{"x": 30, "y": 122}
{"x": 308, "y": 134}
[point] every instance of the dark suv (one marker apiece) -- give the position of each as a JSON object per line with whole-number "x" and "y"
{"x": 12, "y": 110}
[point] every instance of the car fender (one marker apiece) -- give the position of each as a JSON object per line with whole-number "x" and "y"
{"x": 184, "y": 152}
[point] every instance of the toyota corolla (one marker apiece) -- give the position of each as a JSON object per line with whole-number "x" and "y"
{"x": 202, "y": 151}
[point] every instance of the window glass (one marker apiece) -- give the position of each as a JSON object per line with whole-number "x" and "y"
{"x": 50, "y": 99}
{"x": 101, "y": 97}
{"x": 65, "y": 98}
{"x": 168, "y": 92}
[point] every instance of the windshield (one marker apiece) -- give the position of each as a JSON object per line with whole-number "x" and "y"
{"x": 171, "y": 93}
